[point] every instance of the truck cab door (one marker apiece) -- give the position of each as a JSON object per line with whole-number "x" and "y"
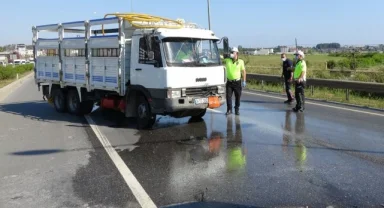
{"x": 146, "y": 63}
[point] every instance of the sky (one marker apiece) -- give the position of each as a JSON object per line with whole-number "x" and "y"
{"x": 249, "y": 23}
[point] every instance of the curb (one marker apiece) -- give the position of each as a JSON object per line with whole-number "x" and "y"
{"x": 8, "y": 89}
{"x": 323, "y": 101}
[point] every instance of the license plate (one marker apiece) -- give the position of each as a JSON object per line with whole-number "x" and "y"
{"x": 201, "y": 101}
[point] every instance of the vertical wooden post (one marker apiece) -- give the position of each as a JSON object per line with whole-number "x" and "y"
{"x": 312, "y": 89}
{"x": 262, "y": 84}
{"x": 347, "y": 94}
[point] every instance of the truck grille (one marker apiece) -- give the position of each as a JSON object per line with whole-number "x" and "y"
{"x": 201, "y": 91}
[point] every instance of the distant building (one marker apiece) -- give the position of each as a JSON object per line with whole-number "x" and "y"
{"x": 283, "y": 49}
{"x": 29, "y": 53}
{"x": 21, "y": 49}
{"x": 262, "y": 52}
{"x": 4, "y": 54}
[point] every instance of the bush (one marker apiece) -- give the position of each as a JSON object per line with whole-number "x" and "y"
{"x": 365, "y": 62}
{"x": 321, "y": 74}
{"x": 377, "y": 77}
{"x": 361, "y": 77}
{"x": 331, "y": 64}
{"x": 10, "y": 72}
{"x": 344, "y": 64}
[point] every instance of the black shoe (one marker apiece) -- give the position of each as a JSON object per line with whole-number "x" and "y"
{"x": 288, "y": 101}
{"x": 228, "y": 112}
{"x": 295, "y": 109}
{"x": 237, "y": 112}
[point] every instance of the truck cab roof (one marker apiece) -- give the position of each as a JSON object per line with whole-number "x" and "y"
{"x": 180, "y": 33}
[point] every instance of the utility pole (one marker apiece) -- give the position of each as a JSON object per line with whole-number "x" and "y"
{"x": 209, "y": 15}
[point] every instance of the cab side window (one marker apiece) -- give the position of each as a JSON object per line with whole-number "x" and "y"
{"x": 145, "y": 46}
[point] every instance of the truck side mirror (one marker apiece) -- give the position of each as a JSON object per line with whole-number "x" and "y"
{"x": 226, "y": 47}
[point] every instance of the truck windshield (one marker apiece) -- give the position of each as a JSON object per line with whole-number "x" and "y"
{"x": 191, "y": 52}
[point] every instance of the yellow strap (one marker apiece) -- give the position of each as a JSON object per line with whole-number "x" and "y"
{"x": 135, "y": 19}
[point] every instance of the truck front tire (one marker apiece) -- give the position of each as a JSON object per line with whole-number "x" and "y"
{"x": 200, "y": 114}
{"x": 59, "y": 101}
{"x": 145, "y": 118}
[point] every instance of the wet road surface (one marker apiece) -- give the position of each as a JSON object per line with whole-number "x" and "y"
{"x": 49, "y": 159}
{"x": 266, "y": 157}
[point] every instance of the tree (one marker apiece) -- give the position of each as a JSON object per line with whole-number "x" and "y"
{"x": 328, "y": 46}
{"x": 240, "y": 48}
{"x": 2, "y": 49}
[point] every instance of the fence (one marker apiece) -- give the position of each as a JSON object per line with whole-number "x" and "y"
{"x": 369, "y": 87}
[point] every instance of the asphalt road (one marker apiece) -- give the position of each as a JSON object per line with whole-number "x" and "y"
{"x": 331, "y": 155}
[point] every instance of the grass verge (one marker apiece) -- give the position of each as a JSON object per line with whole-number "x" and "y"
{"x": 9, "y": 74}
{"x": 328, "y": 94}
{"x": 6, "y": 82}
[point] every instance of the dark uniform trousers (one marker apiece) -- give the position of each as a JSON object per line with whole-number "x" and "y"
{"x": 288, "y": 87}
{"x": 233, "y": 87}
{"x": 299, "y": 94}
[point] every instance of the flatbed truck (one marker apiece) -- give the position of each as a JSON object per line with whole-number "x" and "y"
{"x": 141, "y": 65}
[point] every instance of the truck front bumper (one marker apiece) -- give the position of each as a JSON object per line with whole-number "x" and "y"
{"x": 187, "y": 103}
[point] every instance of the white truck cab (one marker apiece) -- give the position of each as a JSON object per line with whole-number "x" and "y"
{"x": 142, "y": 68}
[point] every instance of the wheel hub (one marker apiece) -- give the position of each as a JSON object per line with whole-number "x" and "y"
{"x": 73, "y": 103}
{"x": 142, "y": 111}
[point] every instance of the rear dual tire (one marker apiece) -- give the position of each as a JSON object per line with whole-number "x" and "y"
{"x": 76, "y": 107}
{"x": 70, "y": 102}
{"x": 59, "y": 101}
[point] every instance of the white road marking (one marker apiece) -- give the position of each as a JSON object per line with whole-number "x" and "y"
{"x": 329, "y": 106}
{"x": 137, "y": 190}
{"x": 214, "y": 110}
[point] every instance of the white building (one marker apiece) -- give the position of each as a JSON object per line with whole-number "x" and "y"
{"x": 21, "y": 49}
{"x": 284, "y": 49}
{"x": 262, "y": 52}
{"x": 29, "y": 53}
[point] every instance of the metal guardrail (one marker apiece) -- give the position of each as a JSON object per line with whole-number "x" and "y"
{"x": 316, "y": 70}
{"x": 370, "y": 87}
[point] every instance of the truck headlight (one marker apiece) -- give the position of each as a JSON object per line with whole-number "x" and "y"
{"x": 220, "y": 89}
{"x": 174, "y": 93}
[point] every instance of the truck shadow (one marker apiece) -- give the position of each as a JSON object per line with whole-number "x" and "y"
{"x": 40, "y": 111}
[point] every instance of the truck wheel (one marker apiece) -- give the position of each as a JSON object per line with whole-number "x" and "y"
{"x": 75, "y": 106}
{"x": 73, "y": 102}
{"x": 145, "y": 119}
{"x": 59, "y": 101}
{"x": 200, "y": 115}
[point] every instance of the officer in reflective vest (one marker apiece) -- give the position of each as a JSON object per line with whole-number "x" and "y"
{"x": 300, "y": 77}
{"x": 235, "y": 71}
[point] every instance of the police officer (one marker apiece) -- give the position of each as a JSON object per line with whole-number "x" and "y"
{"x": 287, "y": 75}
{"x": 300, "y": 78}
{"x": 235, "y": 71}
